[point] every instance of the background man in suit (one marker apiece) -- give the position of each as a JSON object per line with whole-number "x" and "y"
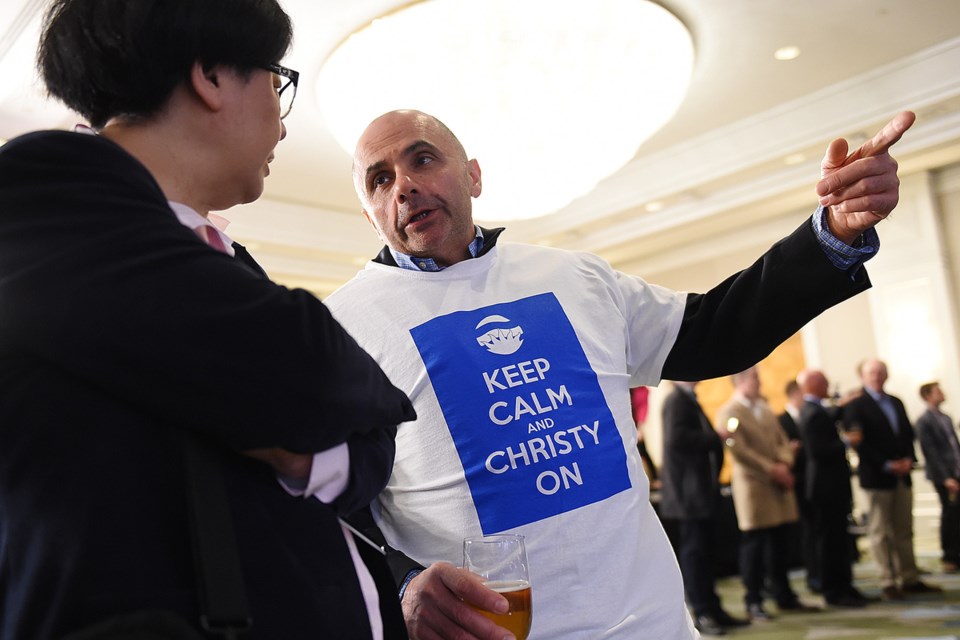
{"x": 791, "y": 413}
{"x": 762, "y": 495}
{"x": 828, "y": 489}
{"x": 886, "y": 459}
{"x": 123, "y": 337}
{"x": 440, "y": 278}
{"x": 690, "y": 494}
{"x": 941, "y": 453}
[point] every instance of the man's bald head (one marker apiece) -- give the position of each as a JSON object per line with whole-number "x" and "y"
{"x": 813, "y": 382}
{"x": 398, "y": 120}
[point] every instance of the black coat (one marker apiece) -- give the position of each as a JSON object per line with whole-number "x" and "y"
{"x": 789, "y": 426}
{"x": 827, "y": 481}
{"x": 120, "y": 332}
{"x": 880, "y": 443}
{"x": 692, "y": 456}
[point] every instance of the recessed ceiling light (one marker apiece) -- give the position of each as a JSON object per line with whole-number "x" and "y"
{"x": 549, "y": 102}
{"x": 653, "y": 207}
{"x": 786, "y": 53}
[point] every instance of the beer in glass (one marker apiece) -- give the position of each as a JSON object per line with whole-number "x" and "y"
{"x": 501, "y": 560}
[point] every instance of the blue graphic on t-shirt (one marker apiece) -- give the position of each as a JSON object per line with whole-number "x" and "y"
{"x": 530, "y": 423}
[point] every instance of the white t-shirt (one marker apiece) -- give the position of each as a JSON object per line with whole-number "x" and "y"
{"x": 519, "y": 365}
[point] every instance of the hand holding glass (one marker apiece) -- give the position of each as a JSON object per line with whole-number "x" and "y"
{"x": 501, "y": 561}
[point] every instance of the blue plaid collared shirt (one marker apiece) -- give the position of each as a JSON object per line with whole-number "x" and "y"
{"x": 429, "y": 264}
{"x": 840, "y": 254}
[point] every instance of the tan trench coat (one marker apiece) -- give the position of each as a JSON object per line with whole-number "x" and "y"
{"x": 757, "y": 443}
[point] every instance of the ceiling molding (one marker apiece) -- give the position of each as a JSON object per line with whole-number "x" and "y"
{"x": 742, "y": 239}
{"x": 921, "y": 136}
{"x": 921, "y": 80}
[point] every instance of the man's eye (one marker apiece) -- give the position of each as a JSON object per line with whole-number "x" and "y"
{"x": 379, "y": 180}
{"x": 421, "y": 160}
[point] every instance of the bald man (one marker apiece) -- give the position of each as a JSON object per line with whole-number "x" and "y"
{"x": 828, "y": 489}
{"x": 519, "y": 361}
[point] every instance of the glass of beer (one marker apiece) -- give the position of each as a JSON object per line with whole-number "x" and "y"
{"x": 501, "y": 560}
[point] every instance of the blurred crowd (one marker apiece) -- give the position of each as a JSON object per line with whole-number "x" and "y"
{"x": 791, "y": 484}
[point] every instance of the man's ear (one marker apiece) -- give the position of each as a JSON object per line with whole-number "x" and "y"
{"x": 476, "y": 185}
{"x": 207, "y": 84}
{"x": 372, "y": 223}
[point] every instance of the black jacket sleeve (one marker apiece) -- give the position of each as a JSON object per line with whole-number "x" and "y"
{"x": 740, "y": 321}
{"x": 99, "y": 279}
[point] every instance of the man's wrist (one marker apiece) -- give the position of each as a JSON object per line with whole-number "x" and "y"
{"x": 846, "y": 256}
{"x": 413, "y": 573}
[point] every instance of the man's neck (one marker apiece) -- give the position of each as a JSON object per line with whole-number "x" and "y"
{"x": 439, "y": 262}
{"x": 178, "y": 156}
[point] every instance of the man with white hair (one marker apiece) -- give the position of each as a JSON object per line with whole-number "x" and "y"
{"x": 887, "y": 457}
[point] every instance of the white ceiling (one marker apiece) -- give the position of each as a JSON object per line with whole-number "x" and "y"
{"x": 719, "y": 165}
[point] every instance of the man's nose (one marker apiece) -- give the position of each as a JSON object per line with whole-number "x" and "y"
{"x": 404, "y": 187}
{"x": 283, "y": 130}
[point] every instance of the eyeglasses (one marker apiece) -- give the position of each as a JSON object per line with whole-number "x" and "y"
{"x": 284, "y": 91}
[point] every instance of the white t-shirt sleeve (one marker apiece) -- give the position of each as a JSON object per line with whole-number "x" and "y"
{"x": 653, "y": 315}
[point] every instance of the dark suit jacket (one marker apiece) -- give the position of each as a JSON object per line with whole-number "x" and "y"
{"x": 692, "y": 455}
{"x": 789, "y": 426}
{"x": 800, "y": 458}
{"x": 880, "y": 443}
{"x": 740, "y": 321}
{"x": 120, "y": 332}
{"x": 939, "y": 454}
{"x": 827, "y": 483}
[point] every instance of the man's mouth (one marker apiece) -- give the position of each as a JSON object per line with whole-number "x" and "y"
{"x": 420, "y": 216}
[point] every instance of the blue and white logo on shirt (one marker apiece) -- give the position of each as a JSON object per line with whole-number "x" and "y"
{"x": 530, "y": 423}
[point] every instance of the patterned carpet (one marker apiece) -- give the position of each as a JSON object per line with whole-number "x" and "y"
{"x": 933, "y": 617}
{"x": 928, "y": 616}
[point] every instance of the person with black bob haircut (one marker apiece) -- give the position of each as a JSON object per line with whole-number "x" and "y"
{"x": 146, "y": 359}
{"x": 124, "y": 58}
